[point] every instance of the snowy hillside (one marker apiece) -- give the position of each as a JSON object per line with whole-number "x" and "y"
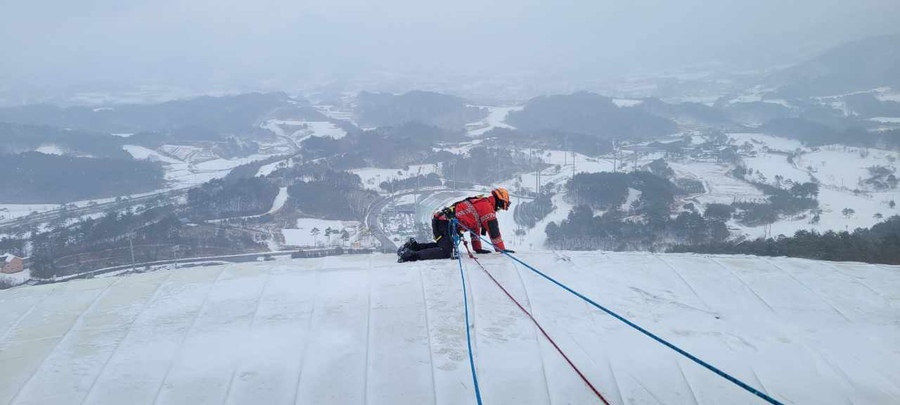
{"x": 364, "y": 329}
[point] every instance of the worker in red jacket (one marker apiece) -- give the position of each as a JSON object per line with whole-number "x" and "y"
{"x": 476, "y": 214}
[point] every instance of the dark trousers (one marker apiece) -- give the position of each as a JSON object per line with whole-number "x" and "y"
{"x": 442, "y": 247}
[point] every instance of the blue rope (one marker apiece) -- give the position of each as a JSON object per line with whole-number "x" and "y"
{"x": 693, "y": 358}
{"x": 462, "y": 274}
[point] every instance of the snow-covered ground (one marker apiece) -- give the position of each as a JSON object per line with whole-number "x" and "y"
{"x": 268, "y": 169}
{"x": 762, "y": 141}
{"x": 839, "y": 169}
{"x": 583, "y": 164}
{"x": 182, "y": 174}
{"x": 298, "y": 131}
{"x": 535, "y": 237}
{"x": 625, "y": 102}
{"x": 10, "y": 211}
{"x": 460, "y": 148}
{"x": 188, "y": 153}
{"x": 302, "y": 234}
{"x": 364, "y": 329}
{"x": 186, "y": 174}
{"x": 143, "y": 153}
{"x": 832, "y": 202}
{"x": 16, "y": 278}
{"x": 280, "y": 199}
{"x": 767, "y": 167}
{"x": 496, "y": 119}
{"x": 336, "y": 113}
{"x": 846, "y": 167}
{"x": 891, "y": 120}
{"x": 50, "y": 149}
{"x": 372, "y": 177}
{"x": 720, "y": 187}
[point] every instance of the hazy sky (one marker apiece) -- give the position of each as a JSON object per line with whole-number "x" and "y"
{"x": 183, "y": 42}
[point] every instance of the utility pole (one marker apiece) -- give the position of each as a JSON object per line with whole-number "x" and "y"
{"x": 615, "y": 157}
{"x": 416, "y": 199}
{"x": 453, "y": 175}
{"x": 131, "y": 245}
{"x": 573, "y": 164}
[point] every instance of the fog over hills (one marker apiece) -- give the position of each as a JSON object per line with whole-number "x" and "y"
{"x": 53, "y": 47}
{"x": 851, "y": 67}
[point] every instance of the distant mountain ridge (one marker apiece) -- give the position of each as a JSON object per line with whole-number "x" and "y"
{"x": 17, "y": 138}
{"x": 590, "y": 114}
{"x": 223, "y": 115}
{"x": 436, "y": 109}
{"x": 855, "y": 66}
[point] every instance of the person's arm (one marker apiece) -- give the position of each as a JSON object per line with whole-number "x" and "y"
{"x": 493, "y": 229}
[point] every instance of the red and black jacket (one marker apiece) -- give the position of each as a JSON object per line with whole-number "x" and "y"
{"x": 479, "y": 216}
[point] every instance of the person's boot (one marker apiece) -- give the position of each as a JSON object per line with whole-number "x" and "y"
{"x": 407, "y": 255}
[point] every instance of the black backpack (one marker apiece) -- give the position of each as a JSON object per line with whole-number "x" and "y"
{"x": 450, "y": 211}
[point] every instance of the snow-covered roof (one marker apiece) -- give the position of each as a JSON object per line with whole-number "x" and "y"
{"x": 364, "y": 329}
{"x": 7, "y": 257}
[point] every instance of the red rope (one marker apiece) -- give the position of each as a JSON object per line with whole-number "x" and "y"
{"x": 558, "y": 349}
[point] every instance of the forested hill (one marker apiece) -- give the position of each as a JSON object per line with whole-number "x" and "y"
{"x": 228, "y": 114}
{"x": 39, "y": 178}
{"x": 16, "y": 138}
{"x": 879, "y": 244}
{"x": 591, "y": 114}
{"x": 440, "y": 110}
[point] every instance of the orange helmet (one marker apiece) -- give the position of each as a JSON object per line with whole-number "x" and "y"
{"x": 502, "y": 197}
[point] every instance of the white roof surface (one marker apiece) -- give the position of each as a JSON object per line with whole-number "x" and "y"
{"x": 364, "y": 329}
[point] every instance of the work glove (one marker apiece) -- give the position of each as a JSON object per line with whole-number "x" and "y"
{"x": 509, "y": 251}
{"x": 482, "y": 251}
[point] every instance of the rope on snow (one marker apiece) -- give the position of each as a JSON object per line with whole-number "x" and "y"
{"x": 633, "y": 325}
{"x": 543, "y": 332}
{"x": 462, "y": 274}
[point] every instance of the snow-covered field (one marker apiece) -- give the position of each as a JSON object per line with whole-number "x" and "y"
{"x": 182, "y": 174}
{"x": 372, "y": 177}
{"x": 280, "y": 199}
{"x": 720, "y": 186}
{"x": 846, "y": 167}
{"x": 772, "y": 143}
{"x": 889, "y": 120}
{"x": 143, "y": 153}
{"x": 268, "y": 169}
{"x": 496, "y": 119}
{"x": 583, "y": 164}
{"x": 188, "y": 153}
{"x": 50, "y": 149}
{"x": 10, "y": 211}
{"x": 298, "y": 131}
{"x": 335, "y": 112}
{"x": 839, "y": 169}
{"x": 767, "y": 167}
{"x": 16, "y": 278}
{"x": 625, "y": 102}
{"x": 364, "y": 329}
{"x": 302, "y": 234}
{"x": 832, "y": 203}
